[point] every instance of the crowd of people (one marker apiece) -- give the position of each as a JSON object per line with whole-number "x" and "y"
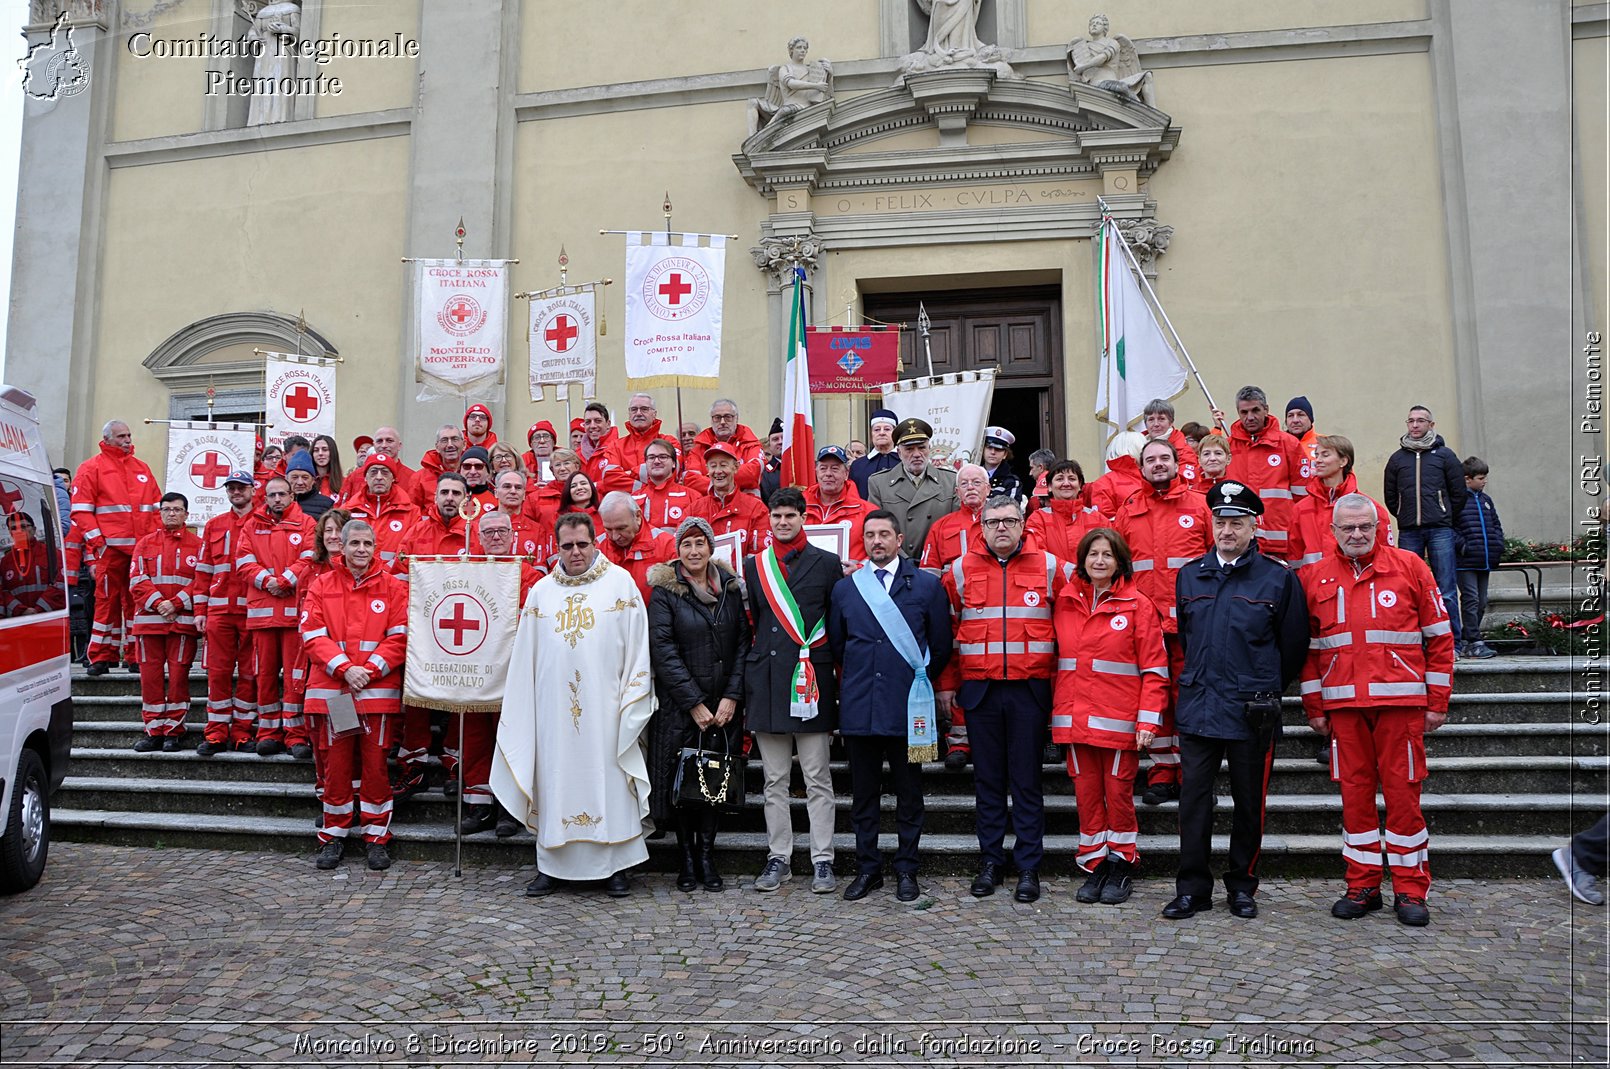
{"x": 963, "y": 614}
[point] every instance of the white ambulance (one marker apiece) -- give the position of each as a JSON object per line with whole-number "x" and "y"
{"x": 36, "y": 705}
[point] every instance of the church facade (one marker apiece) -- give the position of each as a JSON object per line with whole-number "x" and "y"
{"x": 1370, "y": 203}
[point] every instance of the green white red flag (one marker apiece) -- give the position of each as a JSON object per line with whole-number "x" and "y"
{"x": 799, "y": 438}
{"x": 1137, "y": 362}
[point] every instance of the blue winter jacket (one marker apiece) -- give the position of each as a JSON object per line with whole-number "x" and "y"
{"x": 1245, "y": 632}
{"x": 875, "y": 680}
{"x": 1480, "y": 533}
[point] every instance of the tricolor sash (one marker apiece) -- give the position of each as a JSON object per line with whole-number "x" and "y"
{"x": 802, "y": 704}
{"x": 922, "y": 735}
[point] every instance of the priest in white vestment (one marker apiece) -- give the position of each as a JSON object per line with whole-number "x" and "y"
{"x": 569, "y": 763}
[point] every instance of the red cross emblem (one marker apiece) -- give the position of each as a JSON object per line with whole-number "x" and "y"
{"x": 460, "y": 311}
{"x": 300, "y": 403}
{"x": 10, "y": 498}
{"x": 462, "y": 315}
{"x": 459, "y": 624}
{"x": 208, "y": 470}
{"x": 561, "y": 334}
{"x": 674, "y": 289}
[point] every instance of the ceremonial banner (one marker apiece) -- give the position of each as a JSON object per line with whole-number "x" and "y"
{"x": 564, "y": 345}
{"x": 200, "y": 458}
{"x": 461, "y": 621}
{"x": 673, "y": 310}
{"x": 956, "y": 406}
{"x": 1137, "y": 363}
{"x": 461, "y": 312}
{"x": 301, "y": 396}
{"x": 852, "y": 359}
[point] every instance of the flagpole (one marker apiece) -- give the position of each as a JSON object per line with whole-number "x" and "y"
{"x": 1179, "y": 345}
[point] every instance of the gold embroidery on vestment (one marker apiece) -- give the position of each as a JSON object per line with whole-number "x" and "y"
{"x": 575, "y": 702}
{"x": 583, "y": 819}
{"x": 574, "y": 619}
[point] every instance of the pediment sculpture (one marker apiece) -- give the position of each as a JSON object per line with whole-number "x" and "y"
{"x": 791, "y": 87}
{"x": 1109, "y": 62}
{"x": 953, "y": 42}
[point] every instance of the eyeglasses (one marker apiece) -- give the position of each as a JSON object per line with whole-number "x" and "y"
{"x": 1002, "y": 523}
{"x": 1354, "y": 528}
{"x": 571, "y": 547}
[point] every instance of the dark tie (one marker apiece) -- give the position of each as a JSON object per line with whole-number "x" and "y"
{"x": 883, "y": 577}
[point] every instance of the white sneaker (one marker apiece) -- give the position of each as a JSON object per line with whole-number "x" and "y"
{"x": 1584, "y": 885}
{"x": 822, "y": 882}
{"x": 774, "y": 875}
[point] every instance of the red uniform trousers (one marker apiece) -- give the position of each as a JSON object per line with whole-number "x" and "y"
{"x": 165, "y": 682}
{"x": 1385, "y": 746}
{"x": 231, "y": 681}
{"x": 359, "y": 759}
{"x": 956, "y": 735}
{"x": 109, "y": 638}
{"x": 1104, "y": 787}
{"x": 278, "y": 717}
{"x": 414, "y": 753}
{"x": 480, "y": 738}
{"x": 1165, "y": 747}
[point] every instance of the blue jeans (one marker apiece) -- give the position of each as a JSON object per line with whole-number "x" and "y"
{"x": 1435, "y": 544}
{"x": 1472, "y": 602}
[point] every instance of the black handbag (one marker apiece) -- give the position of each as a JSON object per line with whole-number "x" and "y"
{"x": 709, "y": 776}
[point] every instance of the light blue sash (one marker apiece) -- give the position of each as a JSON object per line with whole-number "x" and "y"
{"x": 922, "y": 734}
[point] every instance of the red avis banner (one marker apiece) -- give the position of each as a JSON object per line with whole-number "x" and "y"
{"x": 852, "y": 359}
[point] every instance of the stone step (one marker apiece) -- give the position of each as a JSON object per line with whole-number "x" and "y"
{"x": 742, "y": 852}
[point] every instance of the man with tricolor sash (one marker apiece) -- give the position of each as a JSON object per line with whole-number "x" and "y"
{"x": 889, "y": 629}
{"x": 790, "y": 693}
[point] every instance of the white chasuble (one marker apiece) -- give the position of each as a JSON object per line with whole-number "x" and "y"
{"x": 569, "y": 760}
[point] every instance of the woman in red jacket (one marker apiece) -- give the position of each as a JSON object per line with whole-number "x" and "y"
{"x": 1112, "y": 681}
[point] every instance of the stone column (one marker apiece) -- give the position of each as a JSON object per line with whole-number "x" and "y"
{"x": 60, "y": 186}
{"x": 460, "y": 167}
{"x": 778, "y": 255}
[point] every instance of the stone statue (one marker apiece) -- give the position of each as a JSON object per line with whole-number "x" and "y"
{"x": 1109, "y": 63}
{"x": 791, "y": 86}
{"x": 953, "y": 42}
{"x": 275, "y": 29}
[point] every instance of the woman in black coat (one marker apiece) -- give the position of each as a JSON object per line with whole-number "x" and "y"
{"x": 698, "y": 634}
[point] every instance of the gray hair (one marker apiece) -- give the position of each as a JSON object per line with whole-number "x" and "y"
{"x": 723, "y": 401}
{"x": 352, "y": 527}
{"x": 645, "y": 396}
{"x": 1252, "y": 393}
{"x": 1156, "y": 405}
{"x": 106, "y": 431}
{"x": 452, "y": 427}
{"x": 1043, "y": 457}
{"x": 1002, "y": 501}
{"x": 1354, "y": 501}
{"x": 617, "y": 500}
{"x": 1412, "y": 408}
{"x": 979, "y": 467}
{"x": 492, "y": 514}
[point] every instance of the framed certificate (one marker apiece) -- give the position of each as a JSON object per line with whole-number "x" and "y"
{"x": 729, "y": 551}
{"x": 833, "y": 537}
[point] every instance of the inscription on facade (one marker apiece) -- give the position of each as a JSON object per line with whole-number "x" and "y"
{"x": 944, "y": 199}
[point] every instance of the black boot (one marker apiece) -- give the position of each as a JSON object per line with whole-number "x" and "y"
{"x": 707, "y": 850}
{"x": 687, "y": 842}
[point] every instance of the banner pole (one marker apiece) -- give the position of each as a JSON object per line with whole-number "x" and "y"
{"x": 458, "y": 852}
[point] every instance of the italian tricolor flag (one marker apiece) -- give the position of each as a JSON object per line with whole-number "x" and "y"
{"x": 1137, "y": 363}
{"x": 799, "y": 440}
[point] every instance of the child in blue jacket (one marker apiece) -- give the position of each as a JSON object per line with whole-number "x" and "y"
{"x": 1480, "y": 537}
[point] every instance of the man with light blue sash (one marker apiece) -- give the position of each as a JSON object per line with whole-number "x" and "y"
{"x": 889, "y": 628}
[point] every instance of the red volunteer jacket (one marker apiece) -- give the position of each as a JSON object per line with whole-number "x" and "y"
{"x": 646, "y": 550}
{"x": 348, "y": 621}
{"x": 220, "y": 542}
{"x": 353, "y": 487}
{"x": 1271, "y": 464}
{"x": 533, "y": 542}
{"x": 431, "y": 537}
{"x": 1313, "y": 514}
{"x": 1112, "y": 669}
{"x": 665, "y": 507}
{"x": 607, "y": 468}
{"x": 1111, "y": 490}
{"x": 390, "y": 515}
{"x": 1058, "y": 527}
{"x": 272, "y": 548}
{"x": 114, "y": 501}
{"x": 850, "y": 508}
{"x": 950, "y": 537}
{"x": 167, "y": 567}
{"x": 742, "y": 512}
{"x": 1379, "y": 635}
{"x": 1004, "y": 628}
{"x": 1165, "y": 532}
{"x": 25, "y": 585}
{"x": 630, "y": 444}
{"x": 751, "y": 459}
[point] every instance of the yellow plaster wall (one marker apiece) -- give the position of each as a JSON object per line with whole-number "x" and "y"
{"x": 564, "y": 45}
{"x": 162, "y": 95}
{"x": 1310, "y": 251}
{"x": 369, "y": 84}
{"x": 1591, "y": 55}
{"x": 1051, "y": 21}
{"x": 634, "y": 159}
{"x": 339, "y": 262}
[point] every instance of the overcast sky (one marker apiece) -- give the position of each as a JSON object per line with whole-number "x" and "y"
{"x": 13, "y": 13}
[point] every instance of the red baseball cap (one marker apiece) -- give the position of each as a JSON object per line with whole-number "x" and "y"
{"x": 478, "y": 410}
{"x": 721, "y": 449}
{"x": 362, "y": 441}
{"x": 577, "y": 425}
{"x": 541, "y": 425}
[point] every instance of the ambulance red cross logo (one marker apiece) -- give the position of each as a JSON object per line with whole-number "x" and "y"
{"x": 459, "y": 624}
{"x": 676, "y": 288}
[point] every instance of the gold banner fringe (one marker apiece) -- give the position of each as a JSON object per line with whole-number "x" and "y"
{"x": 452, "y": 707}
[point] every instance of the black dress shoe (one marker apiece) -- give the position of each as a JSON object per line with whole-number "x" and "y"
{"x": 147, "y": 744}
{"x": 1187, "y": 906}
{"x": 508, "y": 826}
{"x": 905, "y": 887}
{"x": 618, "y": 885}
{"x": 170, "y": 744}
{"x": 302, "y": 751}
{"x": 1028, "y": 887}
{"x": 1243, "y": 905}
{"x": 542, "y": 886}
{"x": 862, "y": 886}
{"x": 477, "y": 818}
{"x": 97, "y": 668}
{"x": 989, "y": 877}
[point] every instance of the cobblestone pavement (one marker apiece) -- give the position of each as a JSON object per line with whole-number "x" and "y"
{"x": 160, "y": 957}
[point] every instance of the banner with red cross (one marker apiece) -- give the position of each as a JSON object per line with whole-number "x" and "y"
{"x": 673, "y": 309}
{"x": 564, "y": 343}
{"x": 461, "y": 314}
{"x": 200, "y": 458}
{"x": 301, "y": 396}
{"x": 462, "y": 614}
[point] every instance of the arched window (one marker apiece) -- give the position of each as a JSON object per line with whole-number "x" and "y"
{"x": 217, "y": 352}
